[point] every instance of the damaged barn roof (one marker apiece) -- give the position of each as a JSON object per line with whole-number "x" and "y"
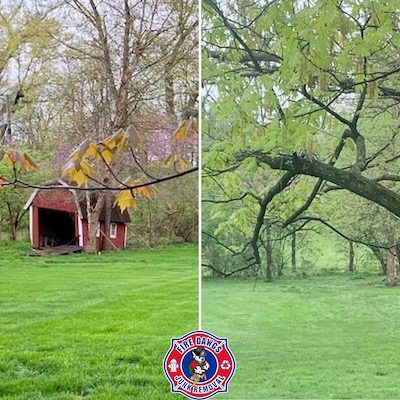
{"x": 81, "y": 204}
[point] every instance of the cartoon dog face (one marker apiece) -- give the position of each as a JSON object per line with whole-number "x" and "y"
{"x": 199, "y": 355}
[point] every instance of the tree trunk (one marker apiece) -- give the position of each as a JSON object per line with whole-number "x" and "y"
{"x": 13, "y": 231}
{"x": 150, "y": 224}
{"x": 351, "y": 257}
{"x": 379, "y": 256}
{"x": 11, "y": 221}
{"x": 95, "y": 215}
{"x": 15, "y": 222}
{"x": 397, "y": 253}
{"x": 294, "y": 252}
{"x": 169, "y": 92}
{"x": 391, "y": 271}
{"x": 107, "y": 221}
{"x": 88, "y": 206}
{"x": 277, "y": 188}
{"x": 280, "y": 260}
{"x": 268, "y": 249}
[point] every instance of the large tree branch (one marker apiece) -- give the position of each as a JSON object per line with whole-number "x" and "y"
{"x": 234, "y": 252}
{"x": 228, "y": 25}
{"x": 230, "y": 200}
{"x": 277, "y": 188}
{"x": 228, "y": 274}
{"x": 258, "y": 55}
{"x": 305, "y": 206}
{"x": 318, "y": 185}
{"x": 22, "y": 184}
{"x": 354, "y": 182}
{"x": 324, "y": 106}
{"x": 341, "y": 234}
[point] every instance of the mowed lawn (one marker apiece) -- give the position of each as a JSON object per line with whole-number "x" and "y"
{"x": 92, "y": 327}
{"x": 324, "y": 337}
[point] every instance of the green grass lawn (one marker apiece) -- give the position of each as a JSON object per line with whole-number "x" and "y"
{"x": 325, "y": 337}
{"x": 92, "y": 327}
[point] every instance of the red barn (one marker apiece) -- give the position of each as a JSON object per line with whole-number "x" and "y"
{"x": 57, "y": 217}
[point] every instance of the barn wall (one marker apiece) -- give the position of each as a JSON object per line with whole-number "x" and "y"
{"x": 63, "y": 200}
{"x": 59, "y": 199}
{"x": 118, "y": 241}
{"x": 122, "y": 228}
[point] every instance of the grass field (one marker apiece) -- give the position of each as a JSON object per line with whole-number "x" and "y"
{"x": 324, "y": 337}
{"x": 92, "y": 327}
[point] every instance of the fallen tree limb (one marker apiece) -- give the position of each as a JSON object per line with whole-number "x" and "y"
{"x": 352, "y": 181}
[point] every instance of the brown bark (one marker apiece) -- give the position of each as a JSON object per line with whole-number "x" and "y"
{"x": 13, "y": 232}
{"x": 173, "y": 59}
{"x": 268, "y": 250}
{"x": 11, "y": 222}
{"x": 105, "y": 245}
{"x": 277, "y": 188}
{"x": 88, "y": 206}
{"x": 119, "y": 92}
{"x": 391, "y": 272}
{"x": 378, "y": 253}
{"x": 95, "y": 215}
{"x": 130, "y": 55}
{"x": 99, "y": 24}
{"x": 294, "y": 251}
{"x": 354, "y": 182}
{"x": 15, "y": 219}
{"x": 351, "y": 257}
{"x": 169, "y": 93}
{"x": 150, "y": 223}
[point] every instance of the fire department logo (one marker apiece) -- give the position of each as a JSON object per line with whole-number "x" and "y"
{"x": 199, "y": 365}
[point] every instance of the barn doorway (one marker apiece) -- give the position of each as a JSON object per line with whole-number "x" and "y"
{"x": 56, "y": 228}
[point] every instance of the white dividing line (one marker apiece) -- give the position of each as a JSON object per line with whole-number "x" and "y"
{"x": 199, "y": 161}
